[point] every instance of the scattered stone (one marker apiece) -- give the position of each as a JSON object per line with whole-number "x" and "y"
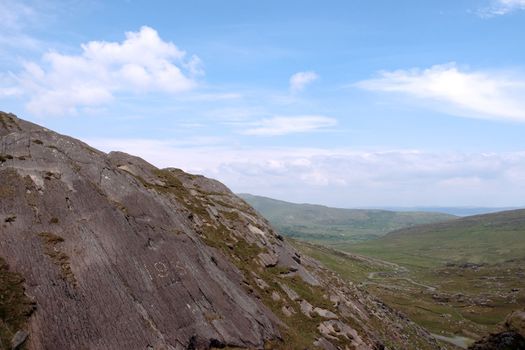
{"x": 18, "y": 339}
{"x": 471, "y": 266}
{"x": 288, "y": 310}
{"x": 500, "y": 341}
{"x": 516, "y": 322}
{"x": 306, "y": 308}
{"x": 324, "y": 344}
{"x": 261, "y": 283}
{"x": 256, "y": 230}
{"x": 276, "y": 296}
{"x": 307, "y": 276}
{"x": 334, "y": 328}
{"x": 213, "y": 211}
{"x": 289, "y": 292}
{"x": 511, "y": 335}
{"x": 325, "y": 313}
{"x": 268, "y": 260}
{"x": 442, "y": 298}
{"x": 335, "y": 299}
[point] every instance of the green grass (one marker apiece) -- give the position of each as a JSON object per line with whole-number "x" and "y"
{"x": 489, "y": 238}
{"x": 476, "y": 265}
{"x": 332, "y": 226}
{"x": 15, "y": 306}
{"x": 51, "y": 247}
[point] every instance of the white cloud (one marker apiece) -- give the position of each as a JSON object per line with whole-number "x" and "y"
{"x": 474, "y": 94}
{"x": 288, "y": 125}
{"x": 142, "y": 63}
{"x": 502, "y": 7}
{"x": 300, "y": 80}
{"x": 345, "y": 177}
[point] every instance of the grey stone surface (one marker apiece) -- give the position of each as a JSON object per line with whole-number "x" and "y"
{"x": 306, "y": 308}
{"x": 268, "y": 260}
{"x": 325, "y": 313}
{"x": 324, "y": 344}
{"x": 288, "y": 311}
{"x": 135, "y": 272}
{"x": 289, "y": 292}
{"x": 18, "y": 339}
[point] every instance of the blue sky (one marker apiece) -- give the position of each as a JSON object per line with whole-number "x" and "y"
{"x": 345, "y": 103}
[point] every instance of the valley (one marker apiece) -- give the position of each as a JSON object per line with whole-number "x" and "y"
{"x": 454, "y": 302}
{"x": 335, "y": 226}
{"x": 459, "y": 278}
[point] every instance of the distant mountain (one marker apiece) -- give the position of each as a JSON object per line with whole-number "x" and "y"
{"x": 458, "y": 211}
{"x": 487, "y": 238}
{"x": 327, "y": 225}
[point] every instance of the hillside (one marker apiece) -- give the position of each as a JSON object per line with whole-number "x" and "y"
{"x": 458, "y": 211}
{"x": 488, "y": 238}
{"x": 460, "y": 277}
{"x": 458, "y": 303}
{"x": 327, "y": 225}
{"x": 106, "y": 251}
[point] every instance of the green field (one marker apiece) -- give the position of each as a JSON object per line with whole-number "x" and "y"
{"x": 489, "y": 238}
{"x": 458, "y": 279}
{"x": 332, "y": 226}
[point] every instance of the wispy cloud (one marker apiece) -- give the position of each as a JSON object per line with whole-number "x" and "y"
{"x": 15, "y": 16}
{"x": 277, "y": 126}
{"x": 300, "y": 80}
{"x": 142, "y": 63}
{"x": 502, "y": 7}
{"x": 9, "y": 92}
{"x": 476, "y": 94}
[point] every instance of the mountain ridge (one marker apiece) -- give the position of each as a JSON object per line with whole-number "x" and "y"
{"x": 328, "y": 225}
{"x": 442, "y": 240}
{"x": 114, "y": 253}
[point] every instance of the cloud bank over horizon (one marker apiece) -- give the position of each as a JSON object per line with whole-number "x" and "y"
{"x": 346, "y": 177}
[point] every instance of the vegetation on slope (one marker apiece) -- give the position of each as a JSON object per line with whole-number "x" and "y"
{"x": 299, "y": 330}
{"x": 15, "y": 306}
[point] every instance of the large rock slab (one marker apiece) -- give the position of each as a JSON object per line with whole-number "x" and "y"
{"x": 117, "y": 254}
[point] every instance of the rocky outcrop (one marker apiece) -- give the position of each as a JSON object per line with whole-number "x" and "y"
{"x": 117, "y": 254}
{"x": 509, "y": 336}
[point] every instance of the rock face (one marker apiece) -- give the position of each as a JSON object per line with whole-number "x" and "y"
{"x": 510, "y": 336}
{"x": 117, "y": 254}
